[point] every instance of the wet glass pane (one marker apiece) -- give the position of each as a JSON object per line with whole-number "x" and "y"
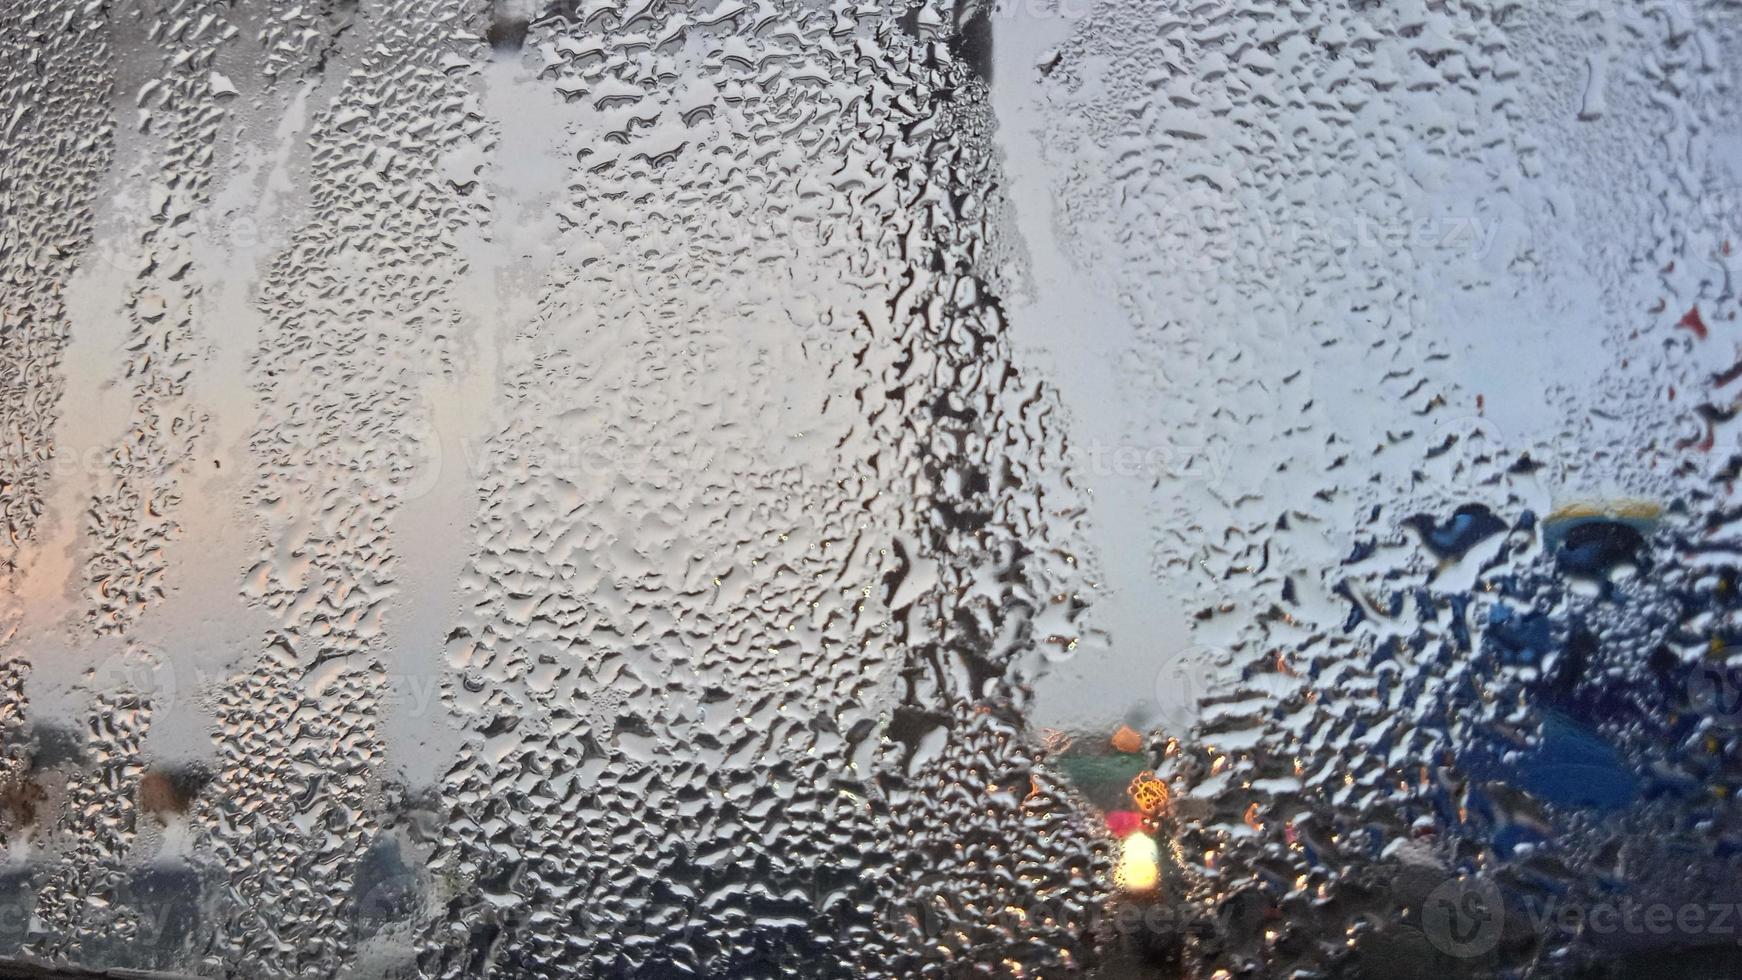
{"x": 753, "y": 488}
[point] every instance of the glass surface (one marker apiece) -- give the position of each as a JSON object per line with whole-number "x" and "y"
{"x": 751, "y": 488}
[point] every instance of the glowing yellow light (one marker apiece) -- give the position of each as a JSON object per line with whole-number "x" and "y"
{"x": 1139, "y": 866}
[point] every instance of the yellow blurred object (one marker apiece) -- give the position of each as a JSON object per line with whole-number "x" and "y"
{"x": 1126, "y": 739}
{"x": 1139, "y": 865}
{"x": 1639, "y": 510}
{"x": 1252, "y": 818}
{"x": 1149, "y": 793}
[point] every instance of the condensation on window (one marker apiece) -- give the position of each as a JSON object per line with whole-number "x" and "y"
{"x": 1039, "y": 488}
